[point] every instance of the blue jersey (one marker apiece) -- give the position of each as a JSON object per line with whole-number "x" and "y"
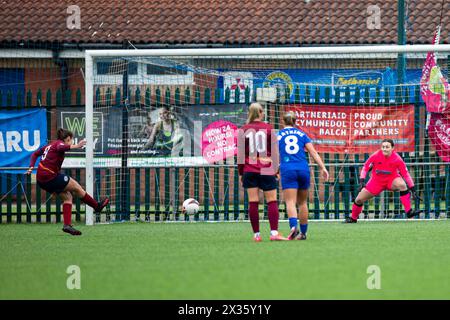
{"x": 291, "y": 143}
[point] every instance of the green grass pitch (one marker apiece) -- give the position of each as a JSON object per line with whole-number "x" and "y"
{"x": 220, "y": 261}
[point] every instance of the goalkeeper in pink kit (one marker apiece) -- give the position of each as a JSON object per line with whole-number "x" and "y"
{"x": 389, "y": 172}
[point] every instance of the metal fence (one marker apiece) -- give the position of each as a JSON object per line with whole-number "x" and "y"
{"x": 155, "y": 194}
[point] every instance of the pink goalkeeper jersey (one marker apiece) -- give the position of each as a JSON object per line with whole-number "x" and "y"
{"x": 386, "y": 167}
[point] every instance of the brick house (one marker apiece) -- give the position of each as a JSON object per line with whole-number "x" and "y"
{"x": 42, "y": 42}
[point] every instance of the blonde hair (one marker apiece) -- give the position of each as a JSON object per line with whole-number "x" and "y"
{"x": 289, "y": 118}
{"x": 254, "y": 111}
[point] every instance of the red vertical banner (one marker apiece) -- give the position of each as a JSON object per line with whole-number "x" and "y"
{"x": 439, "y": 133}
{"x": 434, "y": 87}
{"x": 347, "y": 129}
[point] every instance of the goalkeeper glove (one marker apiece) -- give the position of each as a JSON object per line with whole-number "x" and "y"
{"x": 361, "y": 184}
{"x": 414, "y": 193}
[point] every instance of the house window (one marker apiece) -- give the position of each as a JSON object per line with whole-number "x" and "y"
{"x": 116, "y": 67}
{"x": 111, "y": 71}
{"x": 166, "y": 73}
{"x": 160, "y": 70}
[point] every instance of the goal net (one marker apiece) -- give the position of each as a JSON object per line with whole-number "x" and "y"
{"x": 161, "y": 126}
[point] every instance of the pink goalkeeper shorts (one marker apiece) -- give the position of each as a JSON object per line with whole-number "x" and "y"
{"x": 376, "y": 185}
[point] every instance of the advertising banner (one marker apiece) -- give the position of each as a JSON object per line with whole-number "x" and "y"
{"x": 439, "y": 133}
{"x": 176, "y": 135}
{"x": 356, "y": 80}
{"x": 346, "y": 129}
{"x": 434, "y": 87}
{"x": 213, "y": 129}
{"x": 21, "y": 133}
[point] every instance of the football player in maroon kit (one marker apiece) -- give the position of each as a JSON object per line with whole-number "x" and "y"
{"x": 50, "y": 179}
{"x": 258, "y": 166}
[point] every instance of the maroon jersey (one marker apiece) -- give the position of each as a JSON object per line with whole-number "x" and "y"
{"x": 258, "y": 151}
{"x": 52, "y": 157}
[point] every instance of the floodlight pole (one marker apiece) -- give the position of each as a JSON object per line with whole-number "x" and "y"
{"x": 401, "y": 60}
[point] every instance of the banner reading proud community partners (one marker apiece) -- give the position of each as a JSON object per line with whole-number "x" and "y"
{"x": 345, "y": 129}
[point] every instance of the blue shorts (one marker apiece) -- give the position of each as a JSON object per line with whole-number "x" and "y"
{"x": 295, "y": 179}
{"x": 256, "y": 180}
{"x": 56, "y": 185}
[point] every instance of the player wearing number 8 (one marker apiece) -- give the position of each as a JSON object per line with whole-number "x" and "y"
{"x": 294, "y": 172}
{"x": 257, "y": 160}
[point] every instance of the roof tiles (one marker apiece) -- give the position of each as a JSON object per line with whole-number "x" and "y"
{"x": 243, "y": 22}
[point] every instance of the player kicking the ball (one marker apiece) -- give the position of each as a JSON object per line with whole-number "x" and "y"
{"x": 388, "y": 172}
{"x": 50, "y": 179}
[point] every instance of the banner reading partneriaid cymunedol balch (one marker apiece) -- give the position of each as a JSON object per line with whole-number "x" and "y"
{"x": 348, "y": 129}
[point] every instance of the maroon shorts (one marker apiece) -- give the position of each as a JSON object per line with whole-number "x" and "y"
{"x": 56, "y": 185}
{"x": 376, "y": 185}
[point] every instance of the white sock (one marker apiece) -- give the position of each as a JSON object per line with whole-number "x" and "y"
{"x": 273, "y": 232}
{"x": 256, "y": 234}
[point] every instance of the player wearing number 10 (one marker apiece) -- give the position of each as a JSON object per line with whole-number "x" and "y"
{"x": 257, "y": 160}
{"x": 294, "y": 172}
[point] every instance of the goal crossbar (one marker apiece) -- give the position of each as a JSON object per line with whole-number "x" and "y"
{"x": 269, "y": 51}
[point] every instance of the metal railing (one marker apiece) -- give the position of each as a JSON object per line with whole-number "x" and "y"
{"x": 156, "y": 194}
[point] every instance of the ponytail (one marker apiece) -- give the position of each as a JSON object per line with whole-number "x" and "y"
{"x": 254, "y": 111}
{"x": 62, "y": 134}
{"x": 289, "y": 118}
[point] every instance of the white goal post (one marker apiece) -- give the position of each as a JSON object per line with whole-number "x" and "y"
{"x": 385, "y": 51}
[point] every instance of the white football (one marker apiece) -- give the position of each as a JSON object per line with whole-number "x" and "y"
{"x": 190, "y": 206}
